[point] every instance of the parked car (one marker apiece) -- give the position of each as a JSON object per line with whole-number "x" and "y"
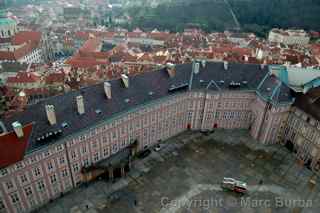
{"x": 234, "y": 185}
{"x": 157, "y": 148}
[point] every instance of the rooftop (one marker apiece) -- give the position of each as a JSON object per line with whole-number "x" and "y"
{"x": 144, "y": 88}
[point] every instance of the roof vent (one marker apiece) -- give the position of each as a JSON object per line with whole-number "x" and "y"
{"x": 201, "y": 81}
{"x": 221, "y": 81}
{"x": 245, "y": 82}
{"x": 127, "y": 100}
{"x": 17, "y": 127}
{"x": 268, "y": 89}
{"x": 107, "y": 89}
{"x": 151, "y": 93}
{"x": 125, "y": 80}
{"x": 51, "y": 115}
{"x": 98, "y": 111}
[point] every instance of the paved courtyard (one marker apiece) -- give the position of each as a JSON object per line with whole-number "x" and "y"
{"x": 185, "y": 176}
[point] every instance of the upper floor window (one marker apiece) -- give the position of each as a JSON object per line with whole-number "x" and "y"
{"x": 28, "y": 191}
{"x": 36, "y": 171}
{"x": 14, "y": 198}
{"x": 9, "y": 185}
{"x": 23, "y": 178}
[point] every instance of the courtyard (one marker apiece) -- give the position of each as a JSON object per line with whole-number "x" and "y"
{"x": 185, "y": 176}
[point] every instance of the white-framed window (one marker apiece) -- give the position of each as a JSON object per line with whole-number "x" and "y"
{"x": 86, "y": 162}
{"x": 14, "y": 198}
{"x": 23, "y": 178}
{"x": 96, "y": 156}
{"x": 53, "y": 178}
{"x": 9, "y": 185}
{"x": 75, "y": 167}
{"x": 84, "y": 149}
{"x": 3, "y": 172}
{"x": 106, "y": 151}
{"x": 36, "y": 172}
{"x": 2, "y": 206}
{"x": 28, "y": 191}
{"x": 62, "y": 160}
{"x": 40, "y": 185}
{"x": 73, "y": 155}
{"x": 50, "y": 166}
{"x": 64, "y": 173}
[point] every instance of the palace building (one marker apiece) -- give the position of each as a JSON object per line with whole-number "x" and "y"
{"x": 57, "y": 144}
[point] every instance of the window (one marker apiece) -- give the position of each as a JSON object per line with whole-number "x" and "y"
{"x": 40, "y": 185}
{"x": 50, "y": 166}
{"x": 64, "y": 173}
{"x": 36, "y": 171}
{"x": 96, "y": 156}
{"x": 62, "y": 160}
{"x": 14, "y": 198}
{"x": 75, "y": 167}
{"x": 9, "y": 185}
{"x": 73, "y": 155}
{"x": 2, "y": 207}
{"x": 3, "y": 172}
{"x": 84, "y": 149}
{"x": 86, "y": 162}
{"x": 23, "y": 178}
{"x": 105, "y": 152}
{"x": 53, "y": 178}
{"x": 28, "y": 191}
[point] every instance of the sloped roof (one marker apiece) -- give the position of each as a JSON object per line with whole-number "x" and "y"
{"x": 138, "y": 94}
{"x": 12, "y": 148}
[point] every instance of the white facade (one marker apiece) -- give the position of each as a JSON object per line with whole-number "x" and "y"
{"x": 289, "y": 37}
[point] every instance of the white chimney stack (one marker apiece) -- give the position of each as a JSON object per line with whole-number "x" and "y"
{"x": 80, "y": 104}
{"x": 125, "y": 80}
{"x": 51, "y": 115}
{"x": 107, "y": 89}
{"x": 17, "y": 127}
{"x": 196, "y": 68}
{"x": 225, "y": 65}
{"x": 203, "y": 63}
{"x": 171, "y": 69}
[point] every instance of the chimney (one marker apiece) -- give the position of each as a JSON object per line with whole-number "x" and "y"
{"x": 125, "y": 80}
{"x": 17, "y": 127}
{"x": 171, "y": 69}
{"x": 51, "y": 115}
{"x": 203, "y": 63}
{"x": 246, "y": 58}
{"x": 196, "y": 67}
{"x": 225, "y": 65}
{"x": 107, "y": 89}
{"x": 80, "y": 104}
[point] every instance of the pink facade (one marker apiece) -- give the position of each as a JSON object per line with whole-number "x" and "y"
{"x": 55, "y": 169}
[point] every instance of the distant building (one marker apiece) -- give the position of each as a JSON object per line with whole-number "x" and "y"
{"x": 8, "y": 27}
{"x": 289, "y": 37}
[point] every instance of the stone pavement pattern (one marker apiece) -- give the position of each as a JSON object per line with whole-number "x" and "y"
{"x": 185, "y": 176}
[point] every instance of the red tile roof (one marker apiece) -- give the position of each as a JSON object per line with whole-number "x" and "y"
{"x": 12, "y": 148}
{"x": 24, "y": 77}
{"x": 25, "y": 36}
{"x": 54, "y": 78}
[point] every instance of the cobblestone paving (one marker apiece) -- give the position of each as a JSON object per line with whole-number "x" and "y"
{"x": 185, "y": 177}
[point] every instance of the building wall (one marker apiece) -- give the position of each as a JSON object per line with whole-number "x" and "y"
{"x": 303, "y": 132}
{"x": 60, "y": 164}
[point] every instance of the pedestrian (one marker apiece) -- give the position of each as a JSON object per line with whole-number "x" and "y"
{"x": 261, "y": 182}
